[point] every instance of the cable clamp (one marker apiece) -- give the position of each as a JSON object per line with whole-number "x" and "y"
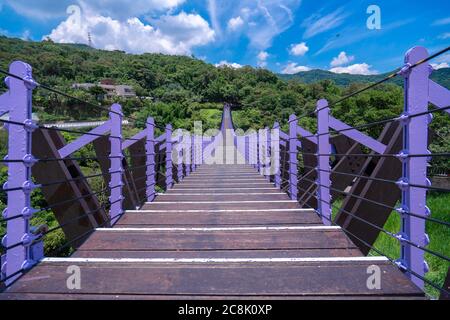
{"x": 27, "y": 239}
{"x": 402, "y": 210}
{"x": 426, "y": 268}
{"x": 27, "y": 212}
{"x": 27, "y": 264}
{"x": 402, "y": 183}
{"x": 30, "y": 125}
{"x": 401, "y": 236}
{"x": 402, "y": 265}
{"x": 29, "y": 160}
{"x": 426, "y": 239}
{"x": 5, "y": 241}
{"x": 427, "y": 211}
{"x": 405, "y": 70}
{"x": 403, "y": 155}
{"x": 30, "y": 83}
{"x": 403, "y": 118}
{"x": 3, "y": 270}
{"x": 28, "y": 186}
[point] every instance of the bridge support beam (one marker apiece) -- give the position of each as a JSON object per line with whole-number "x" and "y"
{"x": 323, "y": 161}
{"x": 275, "y": 154}
{"x": 293, "y": 170}
{"x": 19, "y": 239}
{"x": 150, "y": 151}
{"x": 415, "y": 139}
{"x": 169, "y": 167}
{"x": 116, "y": 169}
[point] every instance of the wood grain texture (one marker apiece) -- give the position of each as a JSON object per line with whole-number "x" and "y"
{"x": 217, "y": 203}
{"x": 287, "y": 279}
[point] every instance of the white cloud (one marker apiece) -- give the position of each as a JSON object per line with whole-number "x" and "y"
{"x": 360, "y": 33}
{"x": 442, "y": 65}
{"x": 235, "y": 23}
{"x": 445, "y": 36}
{"x": 117, "y": 9}
{"x": 171, "y": 34}
{"x": 442, "y": 22}
{"x": 214, "y": 16}
{"x": 225, "y": 63}
{"x": 299, "y": 49}
{"x": 263, "y": 20}
{"x": 293, "y": 68}
{"x": 263, "y": 55}
{"x": 342, "y": 59}
{"x": 262, "y": 59}
{"x": 317, "y": 24}
{"x": 360, "y": 68}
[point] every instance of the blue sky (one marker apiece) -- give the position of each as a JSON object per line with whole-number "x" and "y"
{"x": 282, "y": 35}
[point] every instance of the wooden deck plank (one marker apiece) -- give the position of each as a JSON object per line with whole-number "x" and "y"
{"x": 219, "y": 219}
{"x": 293, "y": 253}
{"x": 263, "y": 189}
{"x": 212, "y": 200}
{"x": 220, "y": 205}
{"x": 286, "y": 279}
{"x": 74, "y": 296}
{"x": 217, "y": 240}
{"x": 198, "y": 197}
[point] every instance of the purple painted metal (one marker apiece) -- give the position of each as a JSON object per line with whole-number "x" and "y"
{"x": 323, "y": 161}
{"x": 266, "y": 155}
{"x": 305, "y": 133}
{"x": 116, "y": 170}
{"x": 180, "y": 154}
{"x": 356, "y": 135}
{"x": 150, "y": 151}
{"x": 19, "y": 174}
{"x": 197, "y": 150}
{"x": 84, "y": 140}
{"x": 293, "y": 170}
{"x": 247, "y": 149}
{"x": 415, "y": 140}
{"x": 438, "y": 95}
{"x": 261, "y": 151}
{"x": 191, "y": 167}
{"x": 269, "y": 154}
{"x": 275, "y": 148}
{"x": 255, "y": 149}
{"x": 169, "y": 178}
{"x": 258, "y": 151}
{"x": 130, "y": 141}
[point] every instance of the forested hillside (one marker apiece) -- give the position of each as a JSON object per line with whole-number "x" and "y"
{"x": 179, "y": 90}
{"x": 182, "y": 88}
{"x": 441, "y": 76}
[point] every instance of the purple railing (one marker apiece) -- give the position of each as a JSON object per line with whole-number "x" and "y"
{"x": 22, "y": 244}
{"x": 274, "y": 153}
{"x": 414, "y": 156}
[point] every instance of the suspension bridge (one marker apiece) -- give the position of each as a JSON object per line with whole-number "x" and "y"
{"x": 233, "y": 215}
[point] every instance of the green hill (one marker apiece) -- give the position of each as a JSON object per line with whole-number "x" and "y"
{"x": 179, "y": 89}
{"x": 442, "y": 76}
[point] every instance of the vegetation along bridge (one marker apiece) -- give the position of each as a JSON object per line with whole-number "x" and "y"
{"x": 267, "y": 214}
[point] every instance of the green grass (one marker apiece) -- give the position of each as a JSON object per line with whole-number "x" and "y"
{"x": 439, "y": 205}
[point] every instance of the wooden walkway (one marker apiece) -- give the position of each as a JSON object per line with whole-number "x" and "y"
{"x": 224, "y": 232}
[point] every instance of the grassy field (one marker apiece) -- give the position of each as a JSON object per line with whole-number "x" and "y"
{"x": 439, "y": 205}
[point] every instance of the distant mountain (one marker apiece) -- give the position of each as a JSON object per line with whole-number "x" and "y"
{"x": 441, "y": 76}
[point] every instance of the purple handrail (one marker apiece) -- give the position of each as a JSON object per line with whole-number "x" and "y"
{"x": 24, "y": 247}
{"x": 260, "y": 149}
{"x": 419, "y": 92}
